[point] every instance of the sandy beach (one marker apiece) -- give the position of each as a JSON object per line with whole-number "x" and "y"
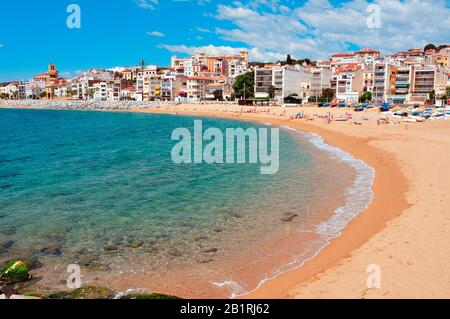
{"x": 405, "y": 228}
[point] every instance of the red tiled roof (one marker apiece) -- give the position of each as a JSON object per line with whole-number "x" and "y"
{"x": 363, "y": 51}
{"x": 343, "y": 54}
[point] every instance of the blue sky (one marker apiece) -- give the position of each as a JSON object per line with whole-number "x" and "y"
{"x": 122, "y": 32}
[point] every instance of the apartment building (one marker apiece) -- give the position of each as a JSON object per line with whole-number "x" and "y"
{"x": 426, "y": 79}
{"x": 79, "y": 89}
{"x": 443, "y": 56}
{"x": 294, "y": 81}
{"x": 263, "y": 81}
{"x": 320, "y": 80}
{"x": 100, "y": 90}
{"x": 159, "y": 87}
{"x": 402, "y": 83}
{"x": 219, "y": 65}
{"x": 114, "y": 90}
{"x": 367, "y": 56}
{"x": 146, "y": 71}
{"x": 197, "y": 87}
{"x": 282, "y": 80}
{"x": 413, "y": 56}
{"x": 236, "y": 67}
{"x": 407, "y": 84}
{"x": 382, "y": 72}
{"x": 349, "y": 85}
{"x": 61, "y": 91}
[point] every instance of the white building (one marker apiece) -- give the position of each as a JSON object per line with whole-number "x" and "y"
{"x": 101, "y": 91}
{"x": 11, "y": 90}
{"x": 236, "y": 67}
{"x": 320, "y": 80}
{"x": 189, "y": 67}
{"x": 283, "y": 80}
{"x": 197, "y": 87}
{"x": 349, "y": 85}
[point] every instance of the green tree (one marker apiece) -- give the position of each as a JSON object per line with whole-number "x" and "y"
{"x": 429, "y": 47}
{"x": 446, "y": 95}
{"x": 218, "y": 95}
{"x": 432, "y": 96}
{"x": 90, "y": 93}
{"x": 365, "y": 97}
{"x": 271, "y": 91}
{"x": 247, "y": 81}
{"x": 327, "y": 94}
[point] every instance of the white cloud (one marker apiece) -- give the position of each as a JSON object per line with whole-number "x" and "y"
{"x": 256, "y": 54}
{"x": 319, "y": 28}
{"x": 156, "y": 34}
{"x": 203, "y": 30}
{"x": 147, "y": 4}
{"x": 70, "y": 74}
{"x": 404, "y": 24}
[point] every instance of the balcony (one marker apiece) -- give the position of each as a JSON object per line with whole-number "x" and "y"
{"x": 423, "y": 83}
{"x": 425, "y": 78}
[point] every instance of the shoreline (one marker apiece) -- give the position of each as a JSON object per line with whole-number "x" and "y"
{"x": 321, "y": 276}
{"x": 335, "y": 249}
{"x": 359, "y": 230}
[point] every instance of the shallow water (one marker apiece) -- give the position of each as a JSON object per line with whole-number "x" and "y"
{"x": 100, "y": 190}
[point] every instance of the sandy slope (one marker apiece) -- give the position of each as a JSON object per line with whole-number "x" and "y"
{"x": 414, "y": 249}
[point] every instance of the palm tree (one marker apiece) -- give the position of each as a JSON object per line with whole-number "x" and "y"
{"x": 90, "y": 93}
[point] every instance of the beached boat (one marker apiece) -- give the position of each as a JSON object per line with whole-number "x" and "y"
{"x": 427, "y": 113}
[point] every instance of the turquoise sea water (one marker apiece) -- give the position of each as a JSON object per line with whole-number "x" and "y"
{"x": 100, "y": 189}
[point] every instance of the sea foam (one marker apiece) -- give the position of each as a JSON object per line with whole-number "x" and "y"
{"x": 358, "y": 197}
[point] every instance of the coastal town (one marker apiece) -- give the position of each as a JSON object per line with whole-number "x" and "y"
{"x": 415, "y": 77}
{"x": 224, "y": 158}
{"x": 393, "y": 211}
